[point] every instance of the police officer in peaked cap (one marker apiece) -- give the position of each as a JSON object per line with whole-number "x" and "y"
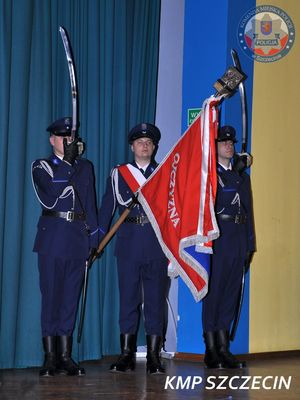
{"x": 231, "y": 251}
{"x": 142, "y": 265}
{"x": 67, "y": 233}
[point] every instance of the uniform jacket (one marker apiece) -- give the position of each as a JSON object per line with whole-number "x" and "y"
{"x": 133, "y": 241}
{"x": 234, "y": 197}
{"x": 61, "y": 187}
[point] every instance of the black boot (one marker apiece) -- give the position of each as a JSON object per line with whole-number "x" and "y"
{"x": 211, "y": 358}
{"x": 126, "y": 360}
{"x": 65, "y": 364}
{"x": 227, "y": 358}
{"x": 49, "y": 366}
{"x": 153, "y": 360}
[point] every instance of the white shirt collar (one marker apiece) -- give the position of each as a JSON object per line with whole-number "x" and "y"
{"x": 60, "y": 157}
{"x": 225, "y": 167}
{"x": 144, "y": 167}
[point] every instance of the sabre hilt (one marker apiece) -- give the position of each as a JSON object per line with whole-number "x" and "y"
{"x": 80, "y": 143}
{"x": 242, "y": 161}
{"x": 81, "y": 147}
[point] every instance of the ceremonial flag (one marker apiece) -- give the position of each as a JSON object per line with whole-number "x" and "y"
{"x": 179, "y": 197}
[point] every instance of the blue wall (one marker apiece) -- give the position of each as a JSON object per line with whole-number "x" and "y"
{"x": 210, "y": 31}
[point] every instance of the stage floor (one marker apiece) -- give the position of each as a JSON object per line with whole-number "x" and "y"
{"x": 270, "y": 378}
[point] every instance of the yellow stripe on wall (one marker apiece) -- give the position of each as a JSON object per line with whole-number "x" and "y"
{"x": 275, "y": 271}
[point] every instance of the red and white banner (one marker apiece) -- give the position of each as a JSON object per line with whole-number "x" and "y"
{"x": 179, "y": 197}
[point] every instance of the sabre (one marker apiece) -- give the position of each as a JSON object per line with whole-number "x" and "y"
{"x": 80, "y": 144}
{"x": 238, "y": 307}
{"x": 83, "y": 301}
{"x": 244, "y": 153}
{"x": 243, "y": 159}
{"x": 73, "y": 82}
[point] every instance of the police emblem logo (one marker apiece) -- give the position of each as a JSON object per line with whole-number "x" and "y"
{"x": 266, "y": 27}
{"x": 266, "y": 33}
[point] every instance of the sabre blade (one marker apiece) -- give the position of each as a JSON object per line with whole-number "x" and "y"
{"x": 237, "y": 64}
{"x": 73, "y": 81}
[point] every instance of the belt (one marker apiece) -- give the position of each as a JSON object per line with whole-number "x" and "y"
{"x": 139, "y": 220}
{"x": 67, "y": 215}
{"x": 237, "y": 219}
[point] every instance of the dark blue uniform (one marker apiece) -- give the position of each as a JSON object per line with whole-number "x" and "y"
{"x": 235, "y": 219}
{"x": 142, "y": 265}
{"x": 63, "y": 246}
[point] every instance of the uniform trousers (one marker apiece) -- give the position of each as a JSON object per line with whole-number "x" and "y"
{"x": 218, "y": 308}
{"x": 142, "y": 281}
{"x": 60, "y": 285}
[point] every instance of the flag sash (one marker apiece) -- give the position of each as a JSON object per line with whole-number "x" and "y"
{"x": 132, "y": 176}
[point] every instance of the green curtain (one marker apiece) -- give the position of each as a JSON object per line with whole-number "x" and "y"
{"x": 115, "y": 46}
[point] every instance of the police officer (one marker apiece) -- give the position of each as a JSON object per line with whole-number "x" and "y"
{"x": 67, "y": 231}
{"x": 142, "y": 266}
{"x": 231, "y": 251}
